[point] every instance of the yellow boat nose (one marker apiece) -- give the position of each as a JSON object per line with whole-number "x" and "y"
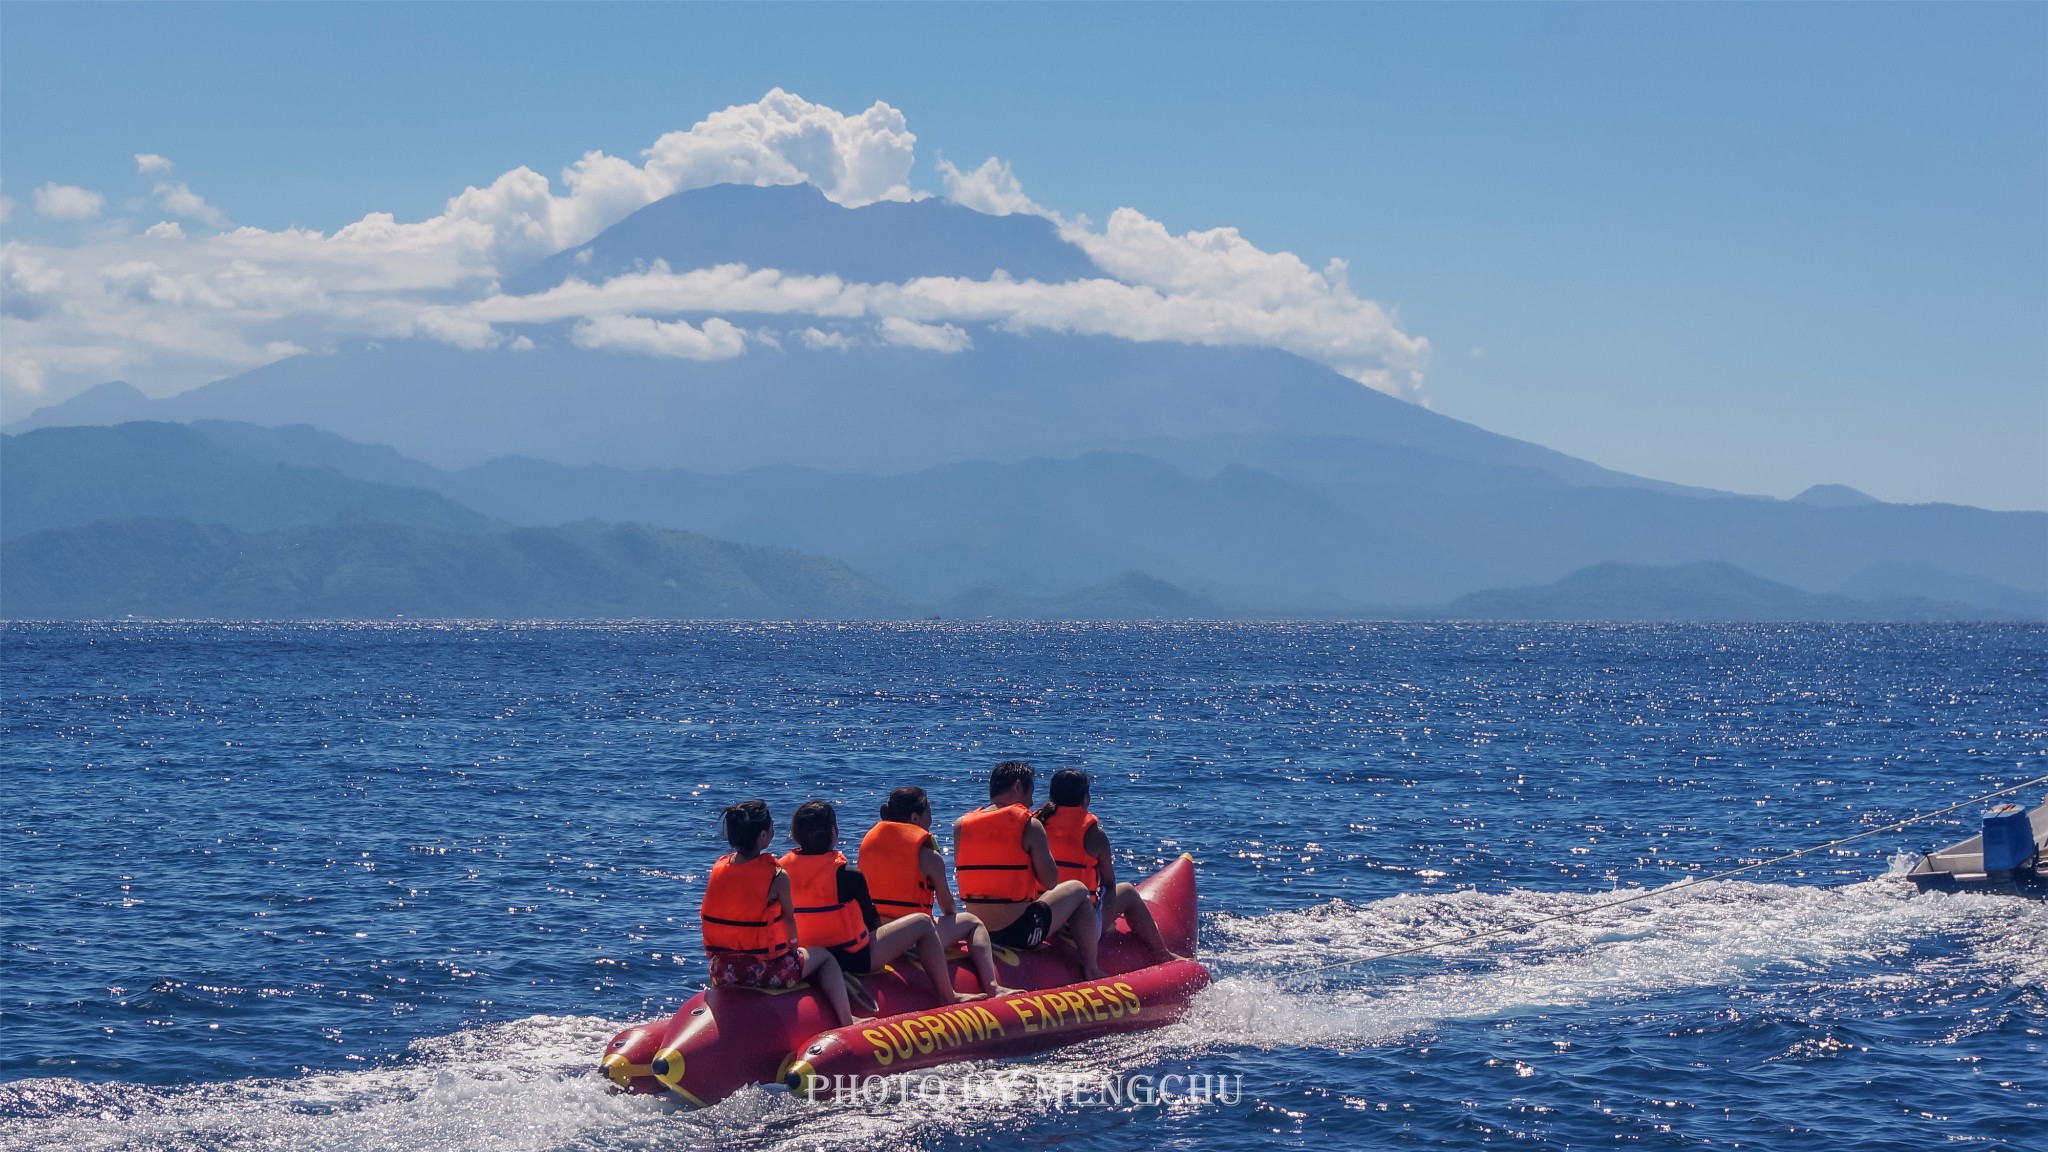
{"x": 618, "y": 1070}
{"x": 803, "y": 1079}
{"x": 667, "y": 1067}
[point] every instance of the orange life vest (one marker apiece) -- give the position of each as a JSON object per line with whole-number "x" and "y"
{"x": 1067, "y": 832}
{"x": 990, "y": 859}
{"x": 737, "y": 913}
{"x": 821, "y": 920}
{"x": 889, "y": 858}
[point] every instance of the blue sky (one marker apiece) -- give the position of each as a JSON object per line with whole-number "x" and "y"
{"x": 1751, "y": 247}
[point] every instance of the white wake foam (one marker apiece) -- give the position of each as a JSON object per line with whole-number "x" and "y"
{"x": 529, "y": 1085}
{"x": 1745, "y": 937}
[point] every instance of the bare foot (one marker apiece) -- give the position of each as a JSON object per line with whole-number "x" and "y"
{"x": 1002, "y": 990}
{"x": 1097, "y": 974}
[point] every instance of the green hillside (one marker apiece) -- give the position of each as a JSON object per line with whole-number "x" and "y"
{"x": 178, "y": 569}
{"x": 70, "y": 477}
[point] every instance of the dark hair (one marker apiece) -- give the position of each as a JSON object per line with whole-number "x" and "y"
{"x": 814, "y": 825}
{"x": 744, "y": 823}
{"x": 1008, "y": 775}
{"x": 1068, "y": 789}
{"x": 906, "y": 804}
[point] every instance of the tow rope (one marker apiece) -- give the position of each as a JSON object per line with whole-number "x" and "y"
{"x": 1650, "y": 893}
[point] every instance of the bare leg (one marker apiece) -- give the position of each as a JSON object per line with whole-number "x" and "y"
{"x": 899, "y": 937}
{"x": 829, "y": 980}
{"x": 1136, "y": 913}
{"x": 968, "y": 927}
{"x": 1067, "y": 900}
{"x": 933, "y": 954}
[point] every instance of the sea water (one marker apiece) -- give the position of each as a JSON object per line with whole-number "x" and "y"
{"x": 359, "y": 886}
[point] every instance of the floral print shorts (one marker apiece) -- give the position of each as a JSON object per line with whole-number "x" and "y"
{"x": 784, "y": 971}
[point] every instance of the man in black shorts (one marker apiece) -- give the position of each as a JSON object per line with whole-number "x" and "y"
{"x": 1006, "y": 873}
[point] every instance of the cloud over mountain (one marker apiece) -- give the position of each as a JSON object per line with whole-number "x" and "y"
{"x": 186, "y": 300}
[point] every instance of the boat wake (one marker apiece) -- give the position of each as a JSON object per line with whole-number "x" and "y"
{"x": 1758, "y": 941}
{"x": 529, "y": 1084}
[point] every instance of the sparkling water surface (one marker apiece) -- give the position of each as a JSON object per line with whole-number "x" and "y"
{"x": 360, "y": 886}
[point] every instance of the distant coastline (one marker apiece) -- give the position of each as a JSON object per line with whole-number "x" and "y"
{"x": 237, "y": 521}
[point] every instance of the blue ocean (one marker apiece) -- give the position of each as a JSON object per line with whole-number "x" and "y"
{"x": 367, "y": 886}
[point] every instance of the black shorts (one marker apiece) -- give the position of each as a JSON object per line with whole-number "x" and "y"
{"x": 854, "y": 960}
{"x": 1028, "y": 930}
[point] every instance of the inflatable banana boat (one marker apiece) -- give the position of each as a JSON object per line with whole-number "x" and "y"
{"x": 726, "y": 1038}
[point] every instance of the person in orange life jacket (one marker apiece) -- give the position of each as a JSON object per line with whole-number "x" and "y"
{"x": 835, "y": 912}
{"x": 1080, "y": 850}
{"x": 749, "y": 917}
{"x": 905, "y": 873}
{"x": 1007, "y": 877}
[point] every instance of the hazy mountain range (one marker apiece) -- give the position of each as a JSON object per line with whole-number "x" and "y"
{"x": 221, "y": 519}
{"x": 1025, "y": 475}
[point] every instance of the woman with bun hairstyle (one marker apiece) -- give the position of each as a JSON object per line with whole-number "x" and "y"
{"x": 1080, "y": 850}
{"x": 749, "y": 917}
{"x": 905, "y": 875}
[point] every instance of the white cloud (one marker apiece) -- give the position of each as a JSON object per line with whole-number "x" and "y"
{"x": 170, "y": 315}
{"x": 780, "y": 139}
{"x": 29, "y": 284}
{"x": 991, "y": 188}
{"x": 179, "y": 200}
{"x": 818, "y": 340}
{"x": 1283, "y": 305}
{"x": 175, "y": 196}
{"x": 68, "y": 202}
{"x": 1275, "y": 294}
{"x": 451, "y": 327}
{"x": 930, "y": 337}
{"x": 715, "y": 340}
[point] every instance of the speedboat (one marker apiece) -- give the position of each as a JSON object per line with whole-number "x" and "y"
{"x": 2007, "y": 856}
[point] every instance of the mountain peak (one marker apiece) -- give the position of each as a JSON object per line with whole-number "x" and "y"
{"x": 1834, "y": 496}
{"x": 110, "y": 403}
{"x": 795, "y": 229}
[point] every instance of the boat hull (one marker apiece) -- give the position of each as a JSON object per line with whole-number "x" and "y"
{"x": 1015, "y": 1025}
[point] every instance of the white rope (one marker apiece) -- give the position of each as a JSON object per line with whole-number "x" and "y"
{"x": 1647, "y": 894}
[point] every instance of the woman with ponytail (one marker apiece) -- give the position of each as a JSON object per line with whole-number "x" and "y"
{"x": 1080, "y": 850}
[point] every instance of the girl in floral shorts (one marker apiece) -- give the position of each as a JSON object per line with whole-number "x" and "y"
{"x": 749, "y": 918}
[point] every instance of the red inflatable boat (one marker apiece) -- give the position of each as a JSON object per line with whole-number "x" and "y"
{"x": 727, "y": 1038}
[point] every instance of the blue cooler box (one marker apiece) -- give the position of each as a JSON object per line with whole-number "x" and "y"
{"x": 2008, "y": 838}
